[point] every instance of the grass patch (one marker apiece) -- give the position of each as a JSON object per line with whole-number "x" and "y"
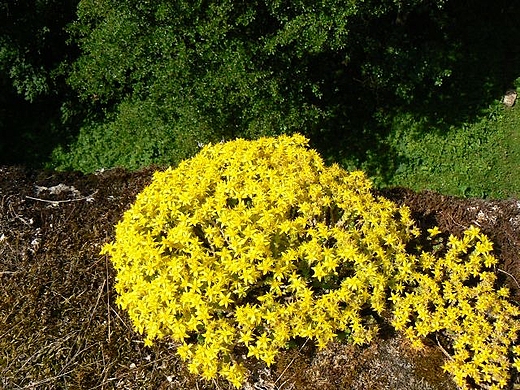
{"x": 478, "y": 159}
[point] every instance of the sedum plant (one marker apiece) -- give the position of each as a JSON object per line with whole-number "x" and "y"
{"x": 454, "y": 294}
{"x": 251, "y": 244}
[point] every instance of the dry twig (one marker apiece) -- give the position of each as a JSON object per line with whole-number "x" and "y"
{"x": 56, "y": 202}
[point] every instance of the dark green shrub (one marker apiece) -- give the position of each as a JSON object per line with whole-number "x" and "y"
{"x": 220, "y": 70}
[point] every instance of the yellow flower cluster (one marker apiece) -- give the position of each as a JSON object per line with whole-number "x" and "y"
{"x": 455, "y": 295}
{"x": 253, "y": 243}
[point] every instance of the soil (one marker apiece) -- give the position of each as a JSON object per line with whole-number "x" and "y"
{"x": 60, "y": 327}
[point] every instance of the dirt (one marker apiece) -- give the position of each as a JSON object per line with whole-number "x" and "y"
{"x": 498, "y": 219}
{"x": 60, "y": 328}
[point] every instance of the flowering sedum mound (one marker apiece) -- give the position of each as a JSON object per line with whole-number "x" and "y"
{"x": 453, "y": 294}
{"x": 251, "y": 244}
{"x": 254, "y": 243}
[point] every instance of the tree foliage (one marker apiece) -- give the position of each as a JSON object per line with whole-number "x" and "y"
{"x": 32, "y": 44}
{"x": 148, "y": 82}
{"x": 34, "y": 50}
{"x": 220, "y": 69}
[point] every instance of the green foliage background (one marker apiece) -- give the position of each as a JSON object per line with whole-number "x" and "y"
{"x": 132, "y": 83}
{"x": 34, "y": 52}
{"x": 224, "y": 69}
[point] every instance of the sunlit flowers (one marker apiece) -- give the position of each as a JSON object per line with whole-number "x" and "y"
{"x": 251, "y": 244}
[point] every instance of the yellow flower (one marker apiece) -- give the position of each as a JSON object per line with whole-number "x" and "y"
{"x": 319, "y": 272}
{"x": 472, "y": 232}
{"x": 434, "y": 231}
{"x": 225, "y": 299}
{"x": 268, "y": 355}
{"x": 484, "y": 246}
{"x": 246, "y": 337}
{"x": 247, "y": 316}
{"x": 184, "y": 351}
{"x": 422, "y": 328}
{"x": 353, "y": 283}
{"x": 233, "y": 373}
{"x": 296, "y": 283}
{"x": 179, "y": 331}
{"x": 266, "y": 265}
{"x": 282, "y": 333}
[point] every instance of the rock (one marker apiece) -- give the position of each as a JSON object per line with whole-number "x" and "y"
{"x": 509, "y": 98}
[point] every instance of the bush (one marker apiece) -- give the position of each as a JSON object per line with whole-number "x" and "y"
{"x": 251, "y": 69}
{"x": 141, "y": 137}
{"x": 251, "y": 244}
{"x": 453, "y": 294}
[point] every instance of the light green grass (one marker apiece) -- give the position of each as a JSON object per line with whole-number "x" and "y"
{"x": 479, "y": 159}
